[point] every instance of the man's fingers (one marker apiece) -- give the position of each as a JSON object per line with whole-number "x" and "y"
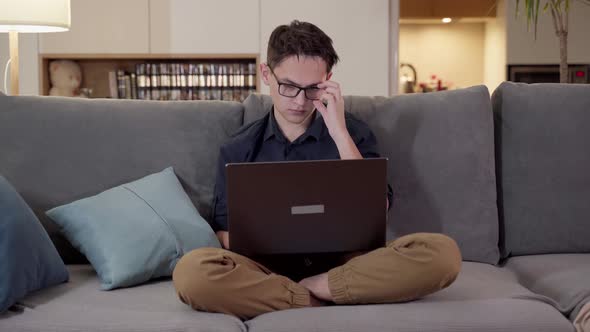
{"x": 334, "y": 91}
{"x": 329, "y": 84}
{"x": 328, "y": 97}
{"x": 331, "y": 87}
{"x": 320, "y": 107}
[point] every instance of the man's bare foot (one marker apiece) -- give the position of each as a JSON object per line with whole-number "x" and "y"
{"x": 315, "y": 302}
{"x": 318, "y": 286}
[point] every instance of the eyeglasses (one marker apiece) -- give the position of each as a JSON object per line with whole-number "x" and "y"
{"x": 292, "y": 91}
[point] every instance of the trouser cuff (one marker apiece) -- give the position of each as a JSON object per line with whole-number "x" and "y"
{"x": 338, "y": 287}
{"x": 300, "y": 296}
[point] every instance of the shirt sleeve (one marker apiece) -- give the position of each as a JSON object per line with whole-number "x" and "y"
{"x": 366, "y": 142}
{"x": 219, "y": 221}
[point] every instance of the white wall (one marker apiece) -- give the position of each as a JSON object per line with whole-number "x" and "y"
{"x": 105, "y": 26}
{"x": 4, "y": 56}
{"x": 204, "y": 26}
{"x": 359, "y": 31}
{"x": 523, "y": 49}
{"x": 393, "y": 47}
{"x": 495, "y": 49}
{"x": 28, "y": 63}
{"x": 452, "y": 52}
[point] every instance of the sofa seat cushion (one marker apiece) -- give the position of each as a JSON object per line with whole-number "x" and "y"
{"x": 564, "y": 278}
{"x": 484, "y": 298}
{"x": 79, "y": 305}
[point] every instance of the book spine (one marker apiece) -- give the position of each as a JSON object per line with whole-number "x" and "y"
{"x": 203, "y": 82}
{"x": 133, "y": 83}
{"x": 120, "y": 84}
{"x": 127, "y": 84}
{"x": 155, "y": 81}
{"x": 113, "y": 85}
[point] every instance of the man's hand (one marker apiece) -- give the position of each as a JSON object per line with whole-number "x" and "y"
{"x": 334, "y": 119}
{"x": 223, "y": 237}
{"x": 333, "y": 113}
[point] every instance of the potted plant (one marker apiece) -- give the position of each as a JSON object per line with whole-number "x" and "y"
{"x": 560, "y": 14}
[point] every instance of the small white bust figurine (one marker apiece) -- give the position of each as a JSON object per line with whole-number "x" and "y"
{"x": 66, "y": 78}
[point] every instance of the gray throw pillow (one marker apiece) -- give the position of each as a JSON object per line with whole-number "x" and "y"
{"x": 28, "y": 258}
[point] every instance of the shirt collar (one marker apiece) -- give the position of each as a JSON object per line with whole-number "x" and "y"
{"x": 315, "y": 130}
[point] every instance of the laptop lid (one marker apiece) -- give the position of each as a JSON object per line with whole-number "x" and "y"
{"x": 319, "y": 206}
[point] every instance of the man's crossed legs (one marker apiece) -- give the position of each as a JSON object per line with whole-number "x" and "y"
{"x": 410, "y": 267}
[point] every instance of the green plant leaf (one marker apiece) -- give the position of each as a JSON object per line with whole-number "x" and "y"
{"x": 537, "y": 3}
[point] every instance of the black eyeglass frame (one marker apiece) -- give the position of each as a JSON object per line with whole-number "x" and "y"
{"x": 305, "y": 89}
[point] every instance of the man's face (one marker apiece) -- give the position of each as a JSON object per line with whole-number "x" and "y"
{"x": 302, "y": 71}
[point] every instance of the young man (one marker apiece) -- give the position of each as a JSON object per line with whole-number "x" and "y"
{"x": 300, "y": 126}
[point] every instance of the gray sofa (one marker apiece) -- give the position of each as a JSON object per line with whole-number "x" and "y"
{"x": 506, "y": 176}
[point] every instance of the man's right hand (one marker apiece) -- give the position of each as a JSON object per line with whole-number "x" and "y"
{"x": 223, "y": 237}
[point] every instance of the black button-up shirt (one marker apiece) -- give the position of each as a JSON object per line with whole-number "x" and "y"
{"x": 263, "y": 140}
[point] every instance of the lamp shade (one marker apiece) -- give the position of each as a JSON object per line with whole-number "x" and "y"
{"x": 34, "y": 15}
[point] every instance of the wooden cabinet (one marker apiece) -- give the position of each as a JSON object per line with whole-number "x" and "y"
{"x": 110, "y": 36}
{"x": 169, "y": 77}
{"x": 106, "y": 26}
{"x": 158, "y": 27}
{"x": 204, "y": 26}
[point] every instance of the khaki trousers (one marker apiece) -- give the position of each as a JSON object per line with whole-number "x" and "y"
{"x": 410, "y": 267}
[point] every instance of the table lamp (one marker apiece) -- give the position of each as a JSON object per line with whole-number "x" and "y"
{"x": 31, "y": 16}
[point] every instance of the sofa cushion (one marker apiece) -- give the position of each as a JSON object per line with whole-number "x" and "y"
{"x": 136, "y": 231}
{"x": 564, "y": 278}
{"x": 28, "y": 259}
{"x": 441, "y": 163}
{"x": 79, "y": 305}
{"x": 542, "y": 135}
{"x": 89, "y": 145}
{"x": 483, "y": 298}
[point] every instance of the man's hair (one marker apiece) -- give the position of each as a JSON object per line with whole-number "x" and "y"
{"x": 300, "y": 39}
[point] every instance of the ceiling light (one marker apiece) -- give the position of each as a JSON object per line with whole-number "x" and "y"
{"x": 446, "y": 20}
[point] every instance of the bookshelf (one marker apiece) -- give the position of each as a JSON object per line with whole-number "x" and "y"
{"x": 161, "y": 76}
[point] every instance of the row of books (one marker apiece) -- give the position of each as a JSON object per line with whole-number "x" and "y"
{"x": 184, "y": 81}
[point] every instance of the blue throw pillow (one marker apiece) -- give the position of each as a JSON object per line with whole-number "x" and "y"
{"x": 136, "y": 231}
{"x": 28, "y": 258}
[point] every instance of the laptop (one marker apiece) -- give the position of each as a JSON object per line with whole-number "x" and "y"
{"x": 299, "y": 207}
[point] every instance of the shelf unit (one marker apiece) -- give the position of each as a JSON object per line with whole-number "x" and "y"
{"x": 96, "y": 67}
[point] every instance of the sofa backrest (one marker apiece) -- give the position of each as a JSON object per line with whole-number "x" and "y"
{"x": 57, "y": 150}
{"x": 543, "y": 156}
{"x": 441, "y": 163}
